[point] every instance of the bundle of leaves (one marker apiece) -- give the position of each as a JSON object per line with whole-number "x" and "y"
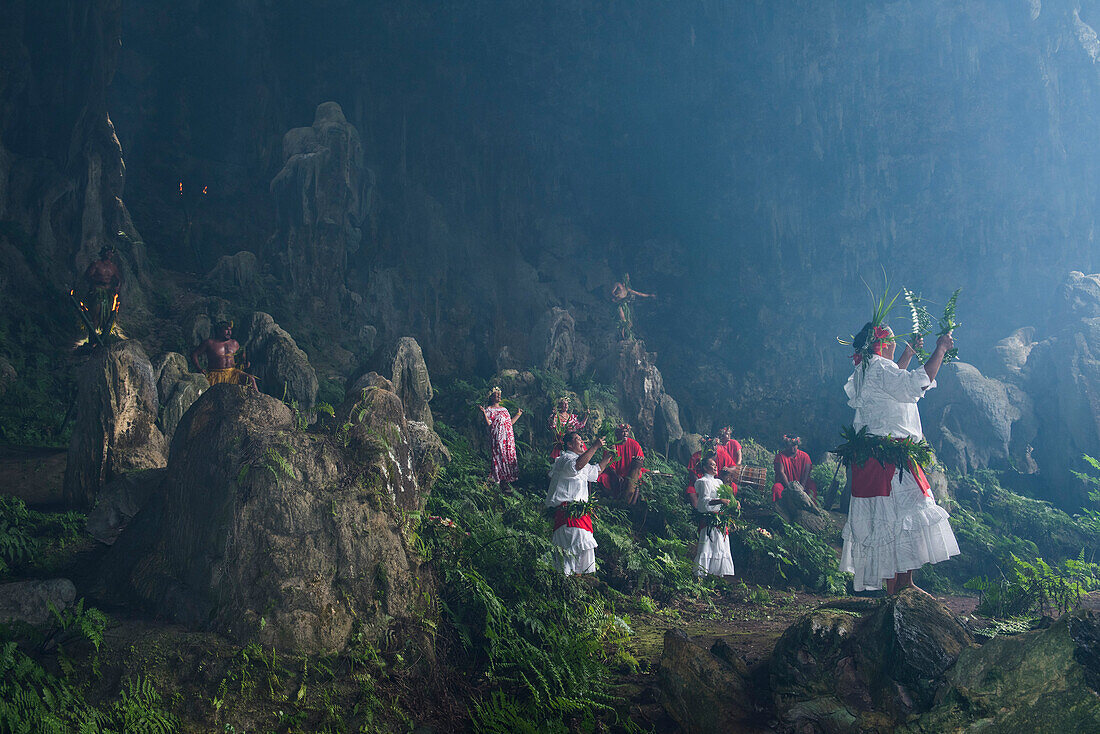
{"x": 861, "y": 445}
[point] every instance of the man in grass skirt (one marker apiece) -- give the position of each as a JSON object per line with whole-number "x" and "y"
{"x": 574, "y": 545}
{"x": 894, "y": 525}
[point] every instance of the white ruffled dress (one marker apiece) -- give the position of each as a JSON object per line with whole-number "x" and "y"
{"x": 885, "y": 536}
{"x": 574, "y": 548}
{"x": 713, "y": 555}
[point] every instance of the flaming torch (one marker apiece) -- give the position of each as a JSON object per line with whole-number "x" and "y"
{"x": 82, "y": 310}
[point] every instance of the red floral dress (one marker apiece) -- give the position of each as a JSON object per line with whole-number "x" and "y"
{"x": 505, "y": 465}
{"x": 561, "y": 424}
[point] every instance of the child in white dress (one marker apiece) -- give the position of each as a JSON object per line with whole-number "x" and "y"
{"x": 713, "y": 555}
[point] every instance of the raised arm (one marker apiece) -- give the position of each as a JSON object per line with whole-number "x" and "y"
{"x": 583, "y": 459}
{"x": 943, "y": 345}
{"x": 908, "y": 352}
{"x": 516, "y": 416}
{"x": 485, "y": 415}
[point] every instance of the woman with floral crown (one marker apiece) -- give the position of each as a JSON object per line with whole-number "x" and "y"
{"x": 894, "y": 524}
{"x": 562, "y": 422}
{"x": 505, "y": 468}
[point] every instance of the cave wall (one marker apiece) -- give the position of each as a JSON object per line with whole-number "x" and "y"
{"x": 747, "y": 161}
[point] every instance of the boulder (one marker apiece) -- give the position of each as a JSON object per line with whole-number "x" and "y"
{"x": 115, "y": 430}
{"x": 30, "y": 601}
{"x": 1012, "y": 352}
{"x": 640, "y": 387}
{"x": 281, "y": 368}
{"x": 411, "y": 381}
{"x": 266, "y": 533}
{"x": 701, "y": 691}
{"x": 1042, "y": 681}
{"x": 666, "y": 425}
{"x": 239, "y": 272}
{"x": 177, "y": 388}
{"x": 864, "y": 665}
{"x": 973, "y": 421}
{"x": 119, "y": 501}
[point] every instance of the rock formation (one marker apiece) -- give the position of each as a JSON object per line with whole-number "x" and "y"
{"x": 119, "y": 501}
{"x": 854, "y": 666}
{"x": 648, "y": 408}
{"x": 281, "y": 368}
{"x": 701, "y": 691}
{"x": 411, "y": 381}
{"x": 29, "y": 601}
{"x": 262, "y": 531}
{"x": 115, "y": 431}
{"x": 322, "y": 199}
{"x": 1046, "y": 680}
{"x": 178, "y": 386}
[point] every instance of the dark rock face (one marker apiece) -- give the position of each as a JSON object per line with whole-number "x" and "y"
{"x": 264, "y": 532}
{"x": 701, "y": 691}
{"x": 554, "y": 344}
{"x": 116, "y": 422}
{"x": 856, "y": 666}
{"x": 36, "y": 475}
{"x": 322, "y": 199}
{"x": 8, "y": 376}
{"x": 411, "y": 381}
{"x": 177, "y": 388}
{"x": 1037, "y": 681}
{"x": 641, "y": 389}
{"x": 281, "y": 368}
{"x": 119, "y": 502}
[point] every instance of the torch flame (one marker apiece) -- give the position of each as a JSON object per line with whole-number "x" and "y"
{"x": 181, "y": 188}
{"x": 114, "y": 303}
{"x": 204, "y": 188}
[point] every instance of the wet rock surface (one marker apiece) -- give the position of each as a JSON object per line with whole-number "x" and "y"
{"x": 30, "y": 601}
{"x": 177, "y": 388}
{"x": 115, "y": 430}
{"x": 119, "y": 502}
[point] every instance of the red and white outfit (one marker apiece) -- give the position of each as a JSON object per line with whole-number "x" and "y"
{"x": 574, "y": 544}
{"x": 561, "y": 424}
{"x": 894, "y": 524}
{"x": 722, "y": 459}
{"x": 505, "y": 466}
{"x": 713, "y": 555}
{"x": 795, "y": 467}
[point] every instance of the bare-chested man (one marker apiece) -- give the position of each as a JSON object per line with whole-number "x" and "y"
{"x": 220, "y": 351}
{"x": 621, "y": 296}
{"x": 102, "y": 281}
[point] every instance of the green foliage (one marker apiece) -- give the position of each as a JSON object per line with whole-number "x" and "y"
{"x": 861, "y": 445}
{"x": 26, "y": 533}
{"x": 1027, "y": 587}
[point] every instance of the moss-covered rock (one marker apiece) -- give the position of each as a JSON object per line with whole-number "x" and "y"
{"x": 1042, "y": 681}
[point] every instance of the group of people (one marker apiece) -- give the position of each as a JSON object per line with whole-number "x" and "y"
{"x": 894, "y": 524}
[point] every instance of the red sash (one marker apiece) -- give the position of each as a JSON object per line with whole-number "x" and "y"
{"x": 561, "y": 518}
{"x": 873, "y": 479}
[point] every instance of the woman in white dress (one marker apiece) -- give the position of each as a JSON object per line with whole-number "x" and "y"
{"x": 894, "y": 524}
{"x": 713, "y": 555}
{"x": 574, "y": 545}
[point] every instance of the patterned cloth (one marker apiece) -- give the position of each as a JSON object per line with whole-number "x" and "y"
{"x": 561, "y": 424}
{"x": 505, "y": 466}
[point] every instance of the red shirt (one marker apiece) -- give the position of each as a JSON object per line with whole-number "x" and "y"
{"x": 733, "y": 448}
{"x": 626, "y": 452}
{"x": 793, "y": 466}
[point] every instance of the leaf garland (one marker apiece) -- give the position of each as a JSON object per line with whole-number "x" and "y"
{"x": 861, "y": 445}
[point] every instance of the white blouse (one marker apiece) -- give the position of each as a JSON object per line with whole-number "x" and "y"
{"x": 706, "y": 488}
{"x": 885, "y": 398}
{"x": 567, "y": 483}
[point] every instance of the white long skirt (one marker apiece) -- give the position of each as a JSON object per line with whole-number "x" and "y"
{"x": 574, "y": 550}
{"x": 714, "y": 555}
{"x": 885, "y": 536}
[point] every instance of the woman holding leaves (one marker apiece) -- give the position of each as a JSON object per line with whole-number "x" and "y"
{"x": 713, "y": 553}
{"x": 894, "y": 525}
{"x": 574, "y": 545}
{"x": 562, "y": 422}
{"x": 505, "y": 468}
